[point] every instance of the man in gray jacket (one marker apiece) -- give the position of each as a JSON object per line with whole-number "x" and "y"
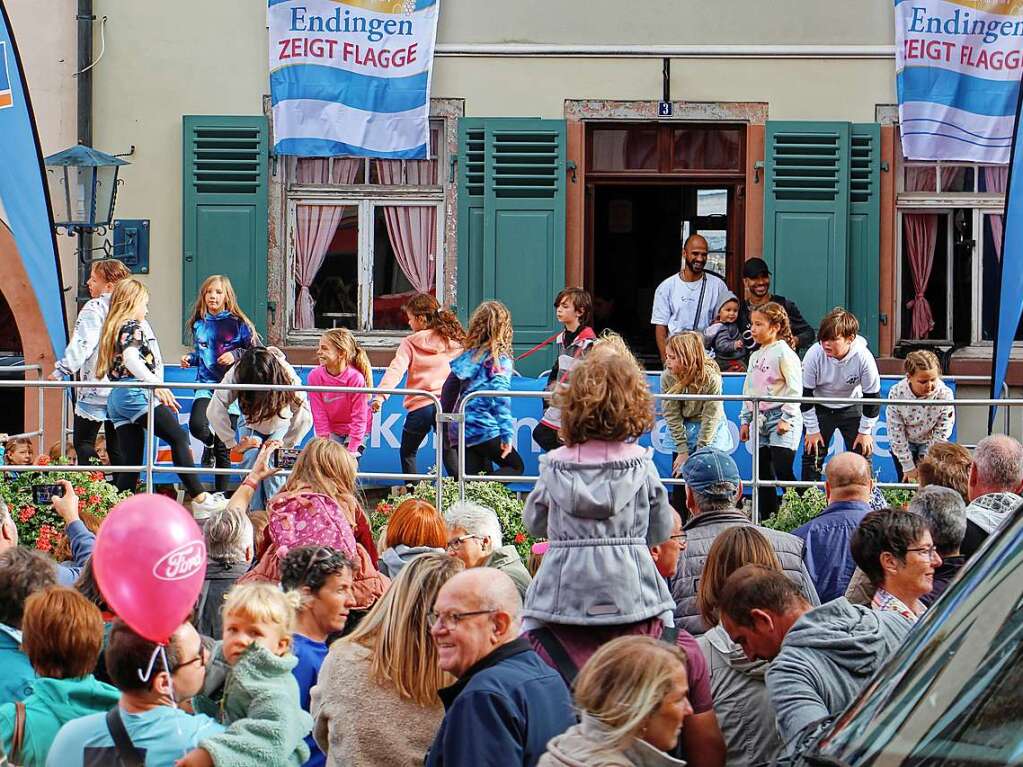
{"x": 820, "y": 658}
{"x": 712, "y": 488}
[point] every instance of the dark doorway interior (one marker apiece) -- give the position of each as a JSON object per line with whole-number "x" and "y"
{"x": 637, "y": 235}
{"x": 12, "y": 400}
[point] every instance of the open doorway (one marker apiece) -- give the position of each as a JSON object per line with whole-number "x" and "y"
{"x": 636, "y": 240}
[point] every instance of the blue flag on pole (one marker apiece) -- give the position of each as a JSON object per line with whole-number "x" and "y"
{"x": 23, "y": 191}
{"x": 1010, "y": 295}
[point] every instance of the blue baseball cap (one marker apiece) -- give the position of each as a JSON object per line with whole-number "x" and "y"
{"x": 709, "y": 466}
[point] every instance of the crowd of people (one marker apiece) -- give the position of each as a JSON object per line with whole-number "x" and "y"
{"x": 647, "y": 630}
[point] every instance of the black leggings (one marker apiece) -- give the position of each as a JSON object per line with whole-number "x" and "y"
{"x": 775, "y": 463}
{"x": 479, "y": 458}
{"x": 132, "y": 438}
{"x": 84, "y": 435}
{"x": 199, "y": 426}
{"x": 418, "y": 424}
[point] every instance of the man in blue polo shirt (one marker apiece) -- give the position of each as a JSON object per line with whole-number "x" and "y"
{"x": 161, "y": 732}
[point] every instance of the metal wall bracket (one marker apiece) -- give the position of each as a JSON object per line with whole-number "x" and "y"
{"x": 131, "y": 244}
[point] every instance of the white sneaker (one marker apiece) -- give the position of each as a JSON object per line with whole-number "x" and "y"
{"x": 213, "y": 502}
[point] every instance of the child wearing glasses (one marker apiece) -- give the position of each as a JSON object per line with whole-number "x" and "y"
{"x": 250, "y": 687}
{"x": 600, "y": 503}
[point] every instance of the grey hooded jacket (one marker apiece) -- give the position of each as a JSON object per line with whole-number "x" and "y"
{"x": 600, "y": 519}
{"x": 827, "y": 657}
{"x": 741, "y": 701}
{"x": 701, "y": 532}
{"x": 395, "y": 558}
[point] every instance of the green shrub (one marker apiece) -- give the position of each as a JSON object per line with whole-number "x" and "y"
{"x": 796, "y": 510}
{"x": 493, "y": 495}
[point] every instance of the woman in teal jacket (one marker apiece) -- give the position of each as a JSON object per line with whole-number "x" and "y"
{"x": 62, "y": 633}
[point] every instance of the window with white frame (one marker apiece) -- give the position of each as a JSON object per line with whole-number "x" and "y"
{"x": 363, "y": 237}
{"x": 949, "y": 246}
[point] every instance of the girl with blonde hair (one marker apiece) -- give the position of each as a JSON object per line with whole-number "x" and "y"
{"x": 81, "y": 356}
{"x": 128, "y": 351}
{"x": 632, "y": 695}
{"x": 343, "y": 417}
{"x": 740, "y": 695}
{"x": 914, "y": 429}
{"x": 774, "y": 371}
{"x": 486, "y": 364}
{"x": 387, "y": 670}
{"x": 600, "y": 504}
{"x": 425, "y": 355}
{"x": 220, "y": 333}
{"x": 249, "y": 685}
{"x": 693, "y": 424}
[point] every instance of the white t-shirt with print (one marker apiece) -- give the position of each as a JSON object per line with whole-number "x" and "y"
{"x": 676, "y": 301}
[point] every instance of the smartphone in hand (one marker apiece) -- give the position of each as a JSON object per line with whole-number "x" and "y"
{"x": 42, "y": 494}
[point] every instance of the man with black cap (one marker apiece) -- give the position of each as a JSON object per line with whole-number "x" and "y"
{"x": 757, "y": 279}
{"x": 712, "y": 488}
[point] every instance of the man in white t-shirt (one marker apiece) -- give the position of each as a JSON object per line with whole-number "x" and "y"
{"x": 687, "y": 300}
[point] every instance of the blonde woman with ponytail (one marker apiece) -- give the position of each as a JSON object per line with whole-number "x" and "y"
{"x": 128, "y": 351}
{"x": 343, "y": 417}
{"x": 632, "y": 696}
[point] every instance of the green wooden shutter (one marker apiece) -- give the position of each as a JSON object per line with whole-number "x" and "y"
{"x": 225, "y": 217}
{"x": 471, "y": 178}
{"x": 522, "y": 258}
{"x": 806, "y": 213}
{"x": 865, "y": 229}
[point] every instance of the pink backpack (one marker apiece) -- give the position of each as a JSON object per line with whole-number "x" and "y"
{"x": 301, "y": 519}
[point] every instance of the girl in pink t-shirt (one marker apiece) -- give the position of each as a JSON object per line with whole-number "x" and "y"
{"x": 341, "y": 416}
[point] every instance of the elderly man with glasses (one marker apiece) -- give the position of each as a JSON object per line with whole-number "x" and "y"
{"x": 474, "y": 536}
{"x": 146, "y": 719}
{"x": 507, "y": 703}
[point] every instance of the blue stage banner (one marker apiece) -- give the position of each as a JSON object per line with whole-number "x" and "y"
{"x": 1009, "y": 304}
{"x": 382, "y": 445}
{"x": 23, "y": 192}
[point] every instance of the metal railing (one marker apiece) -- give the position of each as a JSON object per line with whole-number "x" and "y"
{"x": 38, "y": 370}
{"x": 755, "y": 482}
{"x": 150, "y": 467}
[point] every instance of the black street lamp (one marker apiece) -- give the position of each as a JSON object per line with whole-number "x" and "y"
{"x": 83, "y": 190}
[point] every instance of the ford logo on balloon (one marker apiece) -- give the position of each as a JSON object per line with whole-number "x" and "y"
{"x": 181, "y": 563}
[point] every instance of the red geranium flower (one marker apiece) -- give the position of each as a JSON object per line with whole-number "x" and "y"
{"x": 520, "y": 538}
{"x": 43, "y": 460}
{"x": 97, "y": 476}
{"x": 93, "y": 499}
{"x": 27, "y": 512}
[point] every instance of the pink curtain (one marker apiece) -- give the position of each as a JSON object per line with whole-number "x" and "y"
{"x": 921, "y": 231}
{"x": 316, "y": 226}
{"x": 995, "y": 178}
{"x": 412, "y": 229}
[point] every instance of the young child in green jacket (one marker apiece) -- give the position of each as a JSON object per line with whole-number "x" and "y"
{"x": 249, "y": 685}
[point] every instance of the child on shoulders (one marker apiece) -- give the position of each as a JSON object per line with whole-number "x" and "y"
{"x": 600, "y": 503}
{"x": 724, "y": 337}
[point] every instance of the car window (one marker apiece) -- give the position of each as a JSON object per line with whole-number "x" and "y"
{"x": 951, "y": 697}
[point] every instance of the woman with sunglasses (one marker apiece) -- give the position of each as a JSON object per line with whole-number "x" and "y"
{"x": 376, "y": 700}
{"x": 895, "y": 551}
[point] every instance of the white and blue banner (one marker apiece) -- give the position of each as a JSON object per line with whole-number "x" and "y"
{"x": 352, "y": 77}
{"x": 385, "y": 435}
{"x": 958, "y": 65}
{"x": 24, "y": 197}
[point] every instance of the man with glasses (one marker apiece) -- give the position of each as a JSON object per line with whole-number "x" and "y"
{"x": 507, "y": 703}
{"x": 147, "y": 718}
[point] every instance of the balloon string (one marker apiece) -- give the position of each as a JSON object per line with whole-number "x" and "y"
{"x": 144, "y": 676}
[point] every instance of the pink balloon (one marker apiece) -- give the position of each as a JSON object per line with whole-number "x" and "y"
{"x": 150, "y": 562}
